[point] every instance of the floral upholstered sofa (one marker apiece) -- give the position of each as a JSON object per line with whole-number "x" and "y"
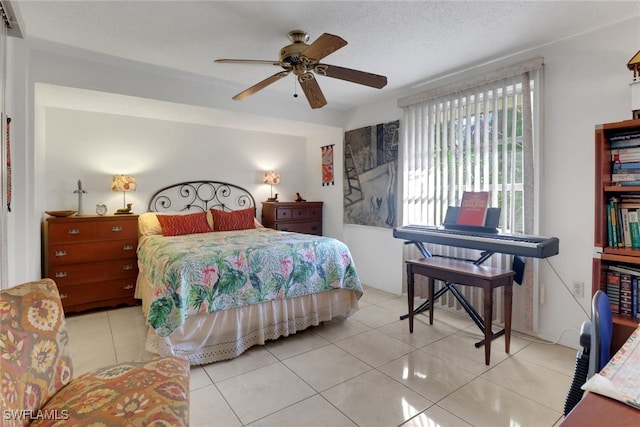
{"x": 36, "y": 375}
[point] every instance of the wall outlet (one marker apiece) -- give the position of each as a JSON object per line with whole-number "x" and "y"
{"x": 578, "y": 289}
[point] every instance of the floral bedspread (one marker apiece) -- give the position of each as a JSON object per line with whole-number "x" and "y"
{"x": 203, "y": 273}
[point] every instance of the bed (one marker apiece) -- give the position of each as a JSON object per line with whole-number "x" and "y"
{"x": 213, "y": 282}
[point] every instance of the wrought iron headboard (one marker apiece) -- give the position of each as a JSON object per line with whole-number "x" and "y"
{"x": 201, "y": 196}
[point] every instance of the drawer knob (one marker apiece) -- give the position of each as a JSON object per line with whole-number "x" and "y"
{"x": 73, "y": 231}
{"x": 314, "y": 227}
{"x": 116, "y": 229}
{"x": 61, "y": 274}
{"x": 60, "y": 253}
{"x": 127, "y": 267}
{"x": 127, "y": 248}
{"x": 128, "y": 286}
{"x": 63, "y": 296}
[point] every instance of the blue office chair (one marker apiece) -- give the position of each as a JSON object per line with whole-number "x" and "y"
{"x": 595, "y": 340}
{"x": 602, "y": 331}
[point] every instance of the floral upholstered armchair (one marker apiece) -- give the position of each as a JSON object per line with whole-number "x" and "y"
{"x": 36, "y": 384}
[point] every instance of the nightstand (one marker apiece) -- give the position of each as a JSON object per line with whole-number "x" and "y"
{"x": 300, "y": 217}
{"x": 92, "y": 259}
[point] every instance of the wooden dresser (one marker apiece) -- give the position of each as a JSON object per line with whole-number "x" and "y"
{"x": 92, "y": 259}
{"x": 300, "y": 217}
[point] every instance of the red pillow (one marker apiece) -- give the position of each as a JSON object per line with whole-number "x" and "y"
{"x": 236, "y": 220}
{"x": 177, "y": 225}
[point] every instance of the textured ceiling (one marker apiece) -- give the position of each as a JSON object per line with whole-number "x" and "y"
{"x": 409, "y": 42}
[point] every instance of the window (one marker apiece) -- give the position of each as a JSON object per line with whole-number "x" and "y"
{"x": 471, "y": 141}
{"x": 472, "y": 136}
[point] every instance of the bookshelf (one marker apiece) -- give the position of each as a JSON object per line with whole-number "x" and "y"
{"x": 609, "y": 197}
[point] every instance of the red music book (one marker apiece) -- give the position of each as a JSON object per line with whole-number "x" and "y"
{"x": 473, "y": 208}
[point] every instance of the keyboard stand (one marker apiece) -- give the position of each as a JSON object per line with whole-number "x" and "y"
{"x": 448, "y": 286}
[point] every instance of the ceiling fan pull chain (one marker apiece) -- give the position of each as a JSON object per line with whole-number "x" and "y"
{"x": 295, "y": 88}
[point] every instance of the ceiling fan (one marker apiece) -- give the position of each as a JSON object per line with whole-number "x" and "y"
{"x": 303, "y": 60}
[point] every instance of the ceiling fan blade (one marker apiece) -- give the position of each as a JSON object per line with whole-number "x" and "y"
{"x": 361, "y": 77}
{"x": 312, "y": 91}
{"x": 248, "y": 61}
{"x": 324, "y": 45}
{"x": 261, "y": 85}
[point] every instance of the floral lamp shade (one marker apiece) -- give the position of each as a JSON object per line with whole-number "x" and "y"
{"x": 123, "y": 183}
{"x": 272, "y": 178}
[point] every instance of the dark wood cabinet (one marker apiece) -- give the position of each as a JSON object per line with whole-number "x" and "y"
{"x": 605, "y": 190}
{"x": 299, "y": 217}
{"x": 92, "y": 259}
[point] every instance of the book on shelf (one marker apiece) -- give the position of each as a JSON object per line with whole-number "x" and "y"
{"x": 612, "y": 290}
{"x": 473, "y": 208}
{"x": 626, "y": 295}
{"x": 625, "y": 157}
{"x": 618, "y": 177}
{"x": 634, "y": 228}
{"x": 629, "y": 205}
{"x": 619, "y": 226}
{"x": 626, "y": 230}
{"x": 613, "y": 220}
{"x": 622, "y": 288}
{"x": 622, "y": 137}
{"x": 634, "y": 296}
{"x": 625, "y": 143}
{"x": 610, "y": 231}
{"x": 626, "y": 269}
{"x": 625, "y": 166}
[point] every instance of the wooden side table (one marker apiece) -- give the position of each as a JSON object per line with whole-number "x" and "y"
{"x": 465, "y": 273}
{"x": 299, "y": 217}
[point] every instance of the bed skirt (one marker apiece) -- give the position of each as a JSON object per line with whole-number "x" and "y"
{"x": 226, "y": 334}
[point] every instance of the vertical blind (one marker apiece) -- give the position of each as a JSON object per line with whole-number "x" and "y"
{"x": 473, "y": 138}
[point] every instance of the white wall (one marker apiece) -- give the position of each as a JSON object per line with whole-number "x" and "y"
{"x": 586, "y": 82}
{"x": 93, "y": 146}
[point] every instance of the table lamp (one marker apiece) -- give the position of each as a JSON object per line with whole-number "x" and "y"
{"x": 124, "y": 183}
{"x": 272, "y": 178}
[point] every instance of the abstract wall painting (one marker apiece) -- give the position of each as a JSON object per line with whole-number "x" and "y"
{"x": 370, "y": 175}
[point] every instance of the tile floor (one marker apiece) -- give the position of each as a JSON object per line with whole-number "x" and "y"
{"x": 366, "y": 370}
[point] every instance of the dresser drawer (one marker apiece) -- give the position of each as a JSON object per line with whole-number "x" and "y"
{"x": 308, "y": 227}
{"x": 284, "y": 213}
{"x": 92, "y": 251}
{"x": 119, "y": 229}
{"x": 314, "y": 212}
{"x": 72, "y": 231}
{"x": 96, "y": 292}
{"x": 299, "y": 217}
{"x": 77, "y": 274}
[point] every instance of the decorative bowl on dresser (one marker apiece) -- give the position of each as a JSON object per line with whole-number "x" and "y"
{"x": 92, "y": 260}
{"x": 300, "y": 217}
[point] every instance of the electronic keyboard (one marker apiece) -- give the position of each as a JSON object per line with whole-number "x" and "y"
{"x": 513, "y": 244}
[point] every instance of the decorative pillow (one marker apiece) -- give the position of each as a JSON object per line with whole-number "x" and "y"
{"x": 178, "y": 225}
{"x": 230, "y": 221}
{"x": 148, "y": 224}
